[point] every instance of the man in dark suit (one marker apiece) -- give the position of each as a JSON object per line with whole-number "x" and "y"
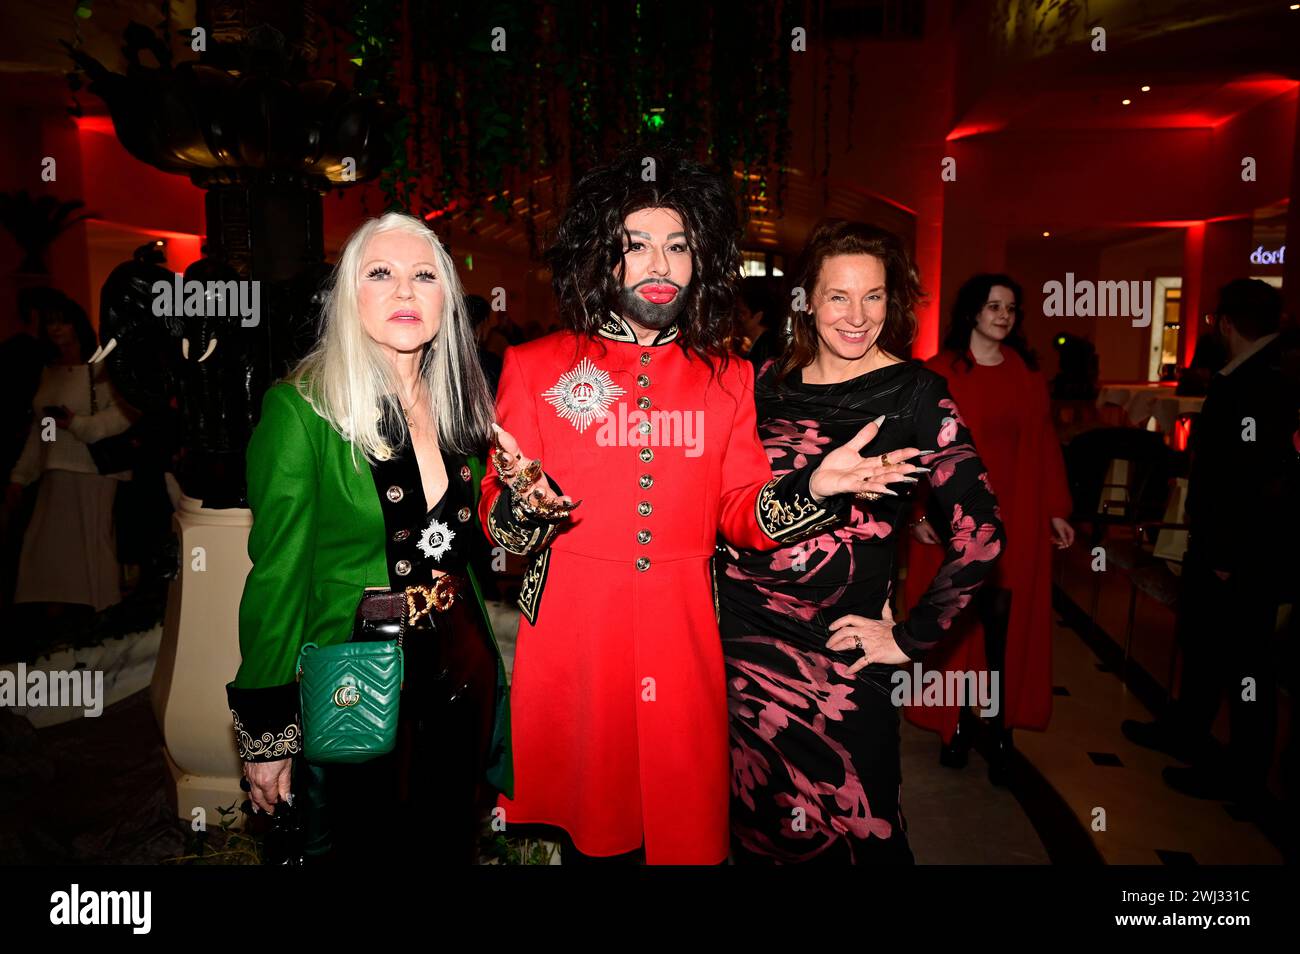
{"x": 1241, "y": 562}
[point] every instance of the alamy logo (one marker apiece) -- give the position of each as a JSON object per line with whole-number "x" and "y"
{"x": 656, "y": 428}
{"x": 1089, "y": 299}
{"x": 103, "y": 907}
{"x": 232, "y": 299}
{"x": 937, "y": 687}
{"x": 78, "y": 689}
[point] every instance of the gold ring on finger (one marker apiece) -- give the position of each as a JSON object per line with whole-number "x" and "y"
{"x": 884, "y": 459}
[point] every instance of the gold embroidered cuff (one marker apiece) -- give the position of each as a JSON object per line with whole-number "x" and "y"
{"x": 266, "y": 722}
{"x": 514, "y": 527}
{"x": 787, "y": 513}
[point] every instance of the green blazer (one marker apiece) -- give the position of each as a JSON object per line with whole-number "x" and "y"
{"x": 318, "y": 540}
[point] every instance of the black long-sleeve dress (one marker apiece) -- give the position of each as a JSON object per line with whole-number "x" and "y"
{"x": 815, "y": 753}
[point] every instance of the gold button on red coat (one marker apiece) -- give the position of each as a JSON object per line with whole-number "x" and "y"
{"x": 646, "y": 454}
{"x": 643, "y": 536}
{"x": 643, "y": 380}
{"x": 644, "y": 508}
{"x": 643, "y": 403}
{"x": 643, "y": 563}
{"x": 645, "y": 358}
{"x": 646, "y": 481}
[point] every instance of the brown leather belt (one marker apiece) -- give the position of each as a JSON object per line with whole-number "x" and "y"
{"x": 412, "y": 603}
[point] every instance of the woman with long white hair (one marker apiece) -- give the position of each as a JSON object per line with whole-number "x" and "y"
{"x": 363, "y": 505}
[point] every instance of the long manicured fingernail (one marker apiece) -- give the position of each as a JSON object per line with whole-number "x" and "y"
{"x": 921, "y": 470}
{"x": 288, "y": 799}
{"x": 926, "y": 453}
{"x": 892, "y": 493}
{"x": 910, "y": 480}
{"x": 878, "y": 420}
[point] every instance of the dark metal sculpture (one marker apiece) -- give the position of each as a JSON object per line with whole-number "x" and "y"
{"x": 265, "y": 141}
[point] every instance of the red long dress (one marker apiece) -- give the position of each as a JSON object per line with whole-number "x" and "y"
{"x": 1007, "y": 409}
{"x": 619, "y": 701}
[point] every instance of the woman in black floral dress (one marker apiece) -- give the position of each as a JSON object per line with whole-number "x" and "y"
{"x": 810, "y": 643}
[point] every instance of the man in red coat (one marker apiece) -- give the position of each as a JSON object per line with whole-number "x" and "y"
{"x": 619, "y": 706}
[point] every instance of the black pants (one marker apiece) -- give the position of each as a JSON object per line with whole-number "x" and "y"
{"x": 422, "y": 800}
{"x": 1225, "y": 630}
{"x": 992, "y": 604}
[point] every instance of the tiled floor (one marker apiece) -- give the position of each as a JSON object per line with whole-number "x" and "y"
{"x": 1102, "y": 776}
{"x": 92, "y": 790}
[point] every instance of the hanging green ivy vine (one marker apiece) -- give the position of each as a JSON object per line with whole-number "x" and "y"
{"x": 498, "y": 99}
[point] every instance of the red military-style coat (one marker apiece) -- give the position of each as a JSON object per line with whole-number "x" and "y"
{"x": 619, "y": 703}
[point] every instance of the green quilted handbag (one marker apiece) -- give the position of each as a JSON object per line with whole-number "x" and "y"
{"x": 350, "y": 695}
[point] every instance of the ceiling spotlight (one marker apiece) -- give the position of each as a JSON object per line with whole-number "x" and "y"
{"x": 1146, "y": 89}
{"x": 1126, "y": 102}
{"x": 1295, "y": 6}
{"x": 1047, "y": 235}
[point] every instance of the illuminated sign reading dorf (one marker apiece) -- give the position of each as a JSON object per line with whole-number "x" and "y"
{"x": 1264, "y": 256}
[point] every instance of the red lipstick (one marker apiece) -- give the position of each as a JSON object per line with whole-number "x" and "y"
{"x": 659, "y": 294}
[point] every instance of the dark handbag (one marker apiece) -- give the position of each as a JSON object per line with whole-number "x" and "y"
{"x": 118, "y": 453}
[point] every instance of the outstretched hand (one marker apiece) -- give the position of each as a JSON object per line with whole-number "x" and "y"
{"x": 538, "y": 494}
{"x": 845, "y": 471}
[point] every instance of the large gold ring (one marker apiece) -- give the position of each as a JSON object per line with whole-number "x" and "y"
{"x": 884, "y": 460}
{"x": 529, "y": 475}
{"x": 503, "y": 462}
{"x": 536, "y": 505}
{"x": 868, "y": 495}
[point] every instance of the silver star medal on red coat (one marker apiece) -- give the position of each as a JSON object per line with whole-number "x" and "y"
{"x": 583, "y": 394}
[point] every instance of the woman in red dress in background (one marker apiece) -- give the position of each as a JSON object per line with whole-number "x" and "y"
{"x": 993, "y": 378}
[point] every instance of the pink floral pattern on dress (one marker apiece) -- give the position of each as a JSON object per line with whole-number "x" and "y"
{"x": 815, "y": 770}
{"x": 774, "y": 701}
{"x": 797, "y": 438}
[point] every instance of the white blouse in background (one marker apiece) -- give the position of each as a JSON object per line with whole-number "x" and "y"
{"x": 69, "y": 385}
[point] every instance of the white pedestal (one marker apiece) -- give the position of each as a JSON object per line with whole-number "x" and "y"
{"x": 199, "y": 655}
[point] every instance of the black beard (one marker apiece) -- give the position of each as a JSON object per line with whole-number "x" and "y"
{"x": 646, "y": 313}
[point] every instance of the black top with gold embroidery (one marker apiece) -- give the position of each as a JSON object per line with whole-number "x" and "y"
{"x": 418, "y": 539}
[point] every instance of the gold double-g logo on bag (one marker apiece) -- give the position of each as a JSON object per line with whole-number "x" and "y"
{"x": 345, "y": 696}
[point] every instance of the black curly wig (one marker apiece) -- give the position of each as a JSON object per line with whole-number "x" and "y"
{"x": 586, "y": 255}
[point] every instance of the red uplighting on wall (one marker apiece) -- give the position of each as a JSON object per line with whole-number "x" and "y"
{"x": 973, "y": 129}
{"x": 95, "y": 124}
